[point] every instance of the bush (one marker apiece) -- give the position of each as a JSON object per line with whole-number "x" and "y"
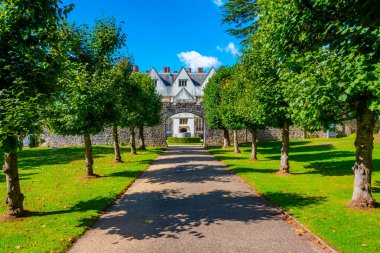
{"x": 174, "y": 140}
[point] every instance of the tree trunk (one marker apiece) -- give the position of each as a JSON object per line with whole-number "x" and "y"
{"x": 236, "y": 142}
{"x": 14, "y": 198}
{"x": 89, "y": 159}
{"x": 116, "y": 144}
{"x": 226, "y": 139}
{"x": 142, "y": 138}
{"x": 362, "y": 197}
{"x": 133, "y": 140}
{"x": 254, "y": 145}
{"x": 284, "y": 164}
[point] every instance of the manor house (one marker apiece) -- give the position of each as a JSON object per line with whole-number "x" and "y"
{"x": 184, "y": 86}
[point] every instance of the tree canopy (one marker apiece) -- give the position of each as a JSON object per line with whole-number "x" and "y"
{"x": 85, "y": 106}
{"x": 325, "y": 62}
{"x": 30, "y": 63}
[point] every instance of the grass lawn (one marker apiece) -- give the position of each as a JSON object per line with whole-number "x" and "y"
{"x": 318, "y": 190}
{"x": 61, "y": 204}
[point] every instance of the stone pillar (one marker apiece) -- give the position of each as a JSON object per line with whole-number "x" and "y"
{"x": 164, "y": 142}
{"x": 204, "y": 134}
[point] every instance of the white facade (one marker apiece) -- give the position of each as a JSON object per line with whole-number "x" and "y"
{"x": 184, "y": 86}
{"x": 184, "y": 125}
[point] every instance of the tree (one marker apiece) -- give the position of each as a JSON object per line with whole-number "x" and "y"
{"x": 29, "y": 67}
{"x": 120, "y": 90}
{"x": 152, "y": 107}
{"x": 83, "y": 108}
{"x": 136, "y": 102}
{"x": 262, "y": 56}
{"x": 211, "y": 100}
{"x": 253, "y": 112}
{"x": 334, "y": 67}
{"x": 269, "y": 103}
{"x": 229, "y": 93}
{"x": 328, "y": 59}
{"x": 138, "y": 113}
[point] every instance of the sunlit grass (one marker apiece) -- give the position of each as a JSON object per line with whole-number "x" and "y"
{"x": 62, "y": 204}
{"x": 317, "y": 191}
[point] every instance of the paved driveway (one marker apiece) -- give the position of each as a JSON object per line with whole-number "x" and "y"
{"x": 187, "y": 201}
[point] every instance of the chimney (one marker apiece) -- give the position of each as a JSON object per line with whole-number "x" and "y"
{"x": 189, "y": 70}
{"x": 200, "y": 70}
{"x": 135, "y": 68}
{"x": 168, "y": 68}
{"x": 165, "y": 69}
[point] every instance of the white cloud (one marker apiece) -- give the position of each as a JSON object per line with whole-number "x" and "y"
{"x": 218, "y": 3}
{"x": 230, "y": 48}
{"x": 195, "y": 60}
{"x": 219, "y": 48}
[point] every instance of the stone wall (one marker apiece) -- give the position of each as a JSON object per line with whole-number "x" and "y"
{"x": 347, "y": 128}
{"x": 215, "y": 137}
{"x": 154, "y": 136}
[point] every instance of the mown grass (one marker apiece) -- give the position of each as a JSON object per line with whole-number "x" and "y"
{"x": 62, "y": 204}
{"x": 317, "y": 191}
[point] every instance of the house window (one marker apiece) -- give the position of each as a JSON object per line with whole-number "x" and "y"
{"x": 169, "y": 125}
{"x": 182, "y": 82}
{"x": 155, "y": 82}
{"x": 198, "y": 124}
{"x": 183, "y": 121}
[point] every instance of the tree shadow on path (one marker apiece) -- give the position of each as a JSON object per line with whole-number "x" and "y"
{"x": 169, "y": 213}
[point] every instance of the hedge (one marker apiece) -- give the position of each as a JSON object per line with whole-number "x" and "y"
{"x": 184, "y": 140}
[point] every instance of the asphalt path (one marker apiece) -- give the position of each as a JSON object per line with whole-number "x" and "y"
{"x": 187, "y": 201}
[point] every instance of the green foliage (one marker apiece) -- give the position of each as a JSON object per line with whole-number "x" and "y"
{"x": 153, "y": 107}
{"x": 84, "y": 107}
{"x": 242, "y": 14}
{"x": 150, "y": 102}
{"x": 212, "y": 99}
{"x": 141, "y": 105}
{"x": 86, "y": 104}
{"x": 254, "y": 113}
{"x": 261, "y": 68}
{"x": 316, "y": 192}
{"x": 30, "y": 62}
{"x": 220, "y": 100}
{"x": 178, "y": 140}
{"x": 121, "y": 91}
{"x": 326, "y": 54}
{"x": 62, "y": 205}
{"x": 230, "y": 89}
{"x": 232, "y": 100}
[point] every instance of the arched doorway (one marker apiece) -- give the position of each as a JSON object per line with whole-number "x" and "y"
{"x": 184, "y": 125}
{"x": 184, "y": 120}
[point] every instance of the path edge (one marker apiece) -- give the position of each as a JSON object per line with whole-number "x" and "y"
{"x": 316, "y": 239}
{"x": 115, "y": 201}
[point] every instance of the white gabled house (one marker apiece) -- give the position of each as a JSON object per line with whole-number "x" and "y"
{"x": 184, "y": 86}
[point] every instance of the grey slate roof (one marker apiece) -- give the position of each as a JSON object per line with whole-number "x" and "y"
{"x": 198, "y": 78}
{"x": 169, "y": 78}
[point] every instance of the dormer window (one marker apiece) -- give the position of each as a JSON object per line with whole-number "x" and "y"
{"x": 155, "y": 82}
{"x": 182, "y": 82}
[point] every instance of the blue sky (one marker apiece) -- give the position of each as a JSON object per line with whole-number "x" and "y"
{"x": 171, "y": 33}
